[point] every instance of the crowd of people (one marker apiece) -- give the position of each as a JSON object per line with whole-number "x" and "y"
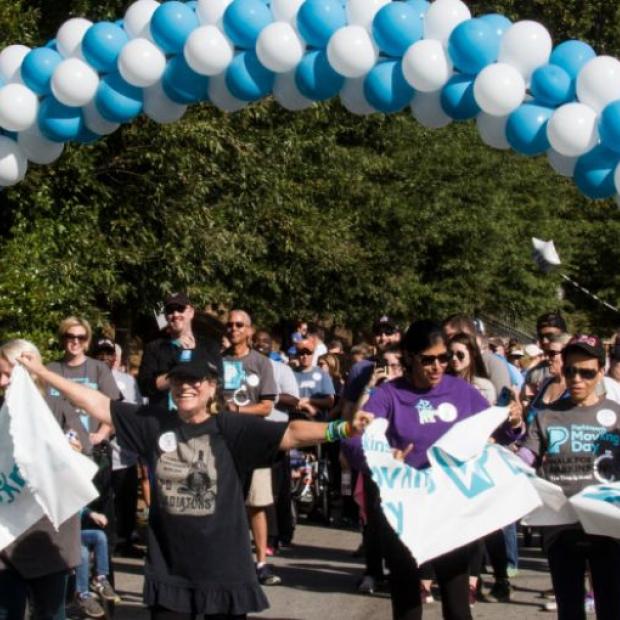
{"x": 203, "y": 436}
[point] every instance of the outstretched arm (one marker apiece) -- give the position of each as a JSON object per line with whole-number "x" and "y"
{"x": 94, "y": 403}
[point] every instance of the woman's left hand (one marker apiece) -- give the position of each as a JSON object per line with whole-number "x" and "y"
{"x": 515, "y": 413}
{"x": 360, "y": 421}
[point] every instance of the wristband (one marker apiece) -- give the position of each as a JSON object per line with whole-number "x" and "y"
{"x": 337, "y": 430}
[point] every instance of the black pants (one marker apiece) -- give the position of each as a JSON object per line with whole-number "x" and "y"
{"x": 160, "y": 613}
{"x": 451, "y": 571}
{"x": 46, "y": 595}
{"x": 569, "y": 552}
{"x": 281, "y": 476}
{"x": 495, "y": 545}
{"x": 125, "y": 486}
{"x": 372, "y": 532}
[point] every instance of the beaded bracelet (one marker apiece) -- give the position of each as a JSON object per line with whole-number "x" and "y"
{"x": 337, "y": 430}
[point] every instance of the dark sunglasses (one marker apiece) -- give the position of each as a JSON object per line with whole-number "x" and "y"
{"x": 429, "y": 360}
{"x": 237, "y": 324}
{"x": 388, "y": 330}
{"x": 547, "y": 335}
{"x": 172, "y": 308}
{"x": 571, "y": 372}
{"x": 460, "y": 355}
{"x": 80, "y": 337}
{"x": 305, "y": 352}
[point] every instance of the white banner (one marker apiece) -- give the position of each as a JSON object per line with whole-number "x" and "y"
{"x": 472, "y": 488}
{"x": 40, "y": 474}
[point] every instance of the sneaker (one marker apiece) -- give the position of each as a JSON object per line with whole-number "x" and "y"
{"x": 104, "y": 589}
{"x": 367, "y": 585}
{"x": 426, "y": 595}
{"x": 266, "y": 577}
{"x": 500, "y": 592}
{"x": 88, "y": 605}
{"x": 589, "y": 603}
{"x": 512, "y": 572}
{"x": 550, "y": 606}
{"x": 270, "y": 551}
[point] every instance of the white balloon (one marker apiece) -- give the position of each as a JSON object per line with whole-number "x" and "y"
{"x": 74, "y": 82}
{"x": 141, "y": 63}
{"x": 492, "y": 130}
{"x": 95, "y": 122}
{"x": 208, "y": 51}
{"x": 211, "y": 11}
{"x": 526, "y": 45}
{"x": 442, "y": 17}
{"x": 352, "y": 52}
{"x": 18, "y": 107}
{"x": 598, "y": 83}
{"x": 561, "y": 164}
{"x": 286, "y": 10}
{"x": 572, "y": 129}
{"x": 427, "y": 66}
{"x": 11, "y": 59}
{"x": 160, "y": 108}
{"x": 37, "y": 148}
{"x": 499, "y": 89}
{"x": 286, "y": 93}
{"x": 221, "y": 97}
{"x": 279, "y": 47}
{"x": 137, "y": 20}
{"x": 362, "y": 12}
{"x": 427, "y": 110}
{"x": 353, "y": 99}
{"x": 13, "y": 162}
{"x": 69, "y": 36}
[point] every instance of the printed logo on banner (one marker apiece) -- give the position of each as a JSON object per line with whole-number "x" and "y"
{"x": 470, "y": 477}
{"x": 11, "y": 484}
{"x": 605, "y": 494}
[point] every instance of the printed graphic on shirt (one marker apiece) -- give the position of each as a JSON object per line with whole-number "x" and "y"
{"x": 84, "y": 418}
{"x": 187, "y": 478}
{"x": 579, "y": 438}
{"x": 234, "y": 374}
{"x": 427, "y": 414}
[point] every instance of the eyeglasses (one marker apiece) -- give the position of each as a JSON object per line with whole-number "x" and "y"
{"x": 172, "y": 308}
{"x": 460, "y": 355}
{"x": 80, "y": 337}
{"x": 429, "y": 360}
{"x": 571, "y": 372}
{"x": 237, "y": 324}
{"x": 305, "y": 352}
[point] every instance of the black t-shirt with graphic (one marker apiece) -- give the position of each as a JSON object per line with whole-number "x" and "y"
{"x": 199, "y": 556}
{"x": 567, "y": 440}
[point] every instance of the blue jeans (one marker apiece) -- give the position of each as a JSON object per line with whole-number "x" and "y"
{"x": 97, "y": 541}
{"x": 512, "y": 545}
{"x": 46, "y": 595}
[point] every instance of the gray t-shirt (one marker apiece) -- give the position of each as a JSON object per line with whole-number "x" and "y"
{"x": 249, "y": 379}
{"x": 565, "y": 438}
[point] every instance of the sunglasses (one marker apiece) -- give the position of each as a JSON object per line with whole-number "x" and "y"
{"x": 429, "y": 360}
{"x": 386, "y": 331}
{"x": 172, "y": 308}
{"x": 80, "y": 337}
{"x": 571, "y": 372}
{"x": 305, "y": 352}
{"x": 460, "y": 355}
{"x": 237, "y": 324}
{"x": 553, "y": 353}
{"x": 547, "y": 335}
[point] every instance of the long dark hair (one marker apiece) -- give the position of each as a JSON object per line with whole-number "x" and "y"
{"x": 476, "y": 367}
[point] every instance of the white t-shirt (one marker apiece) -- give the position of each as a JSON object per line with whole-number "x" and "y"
{"x": 321, "y": 349}
{"x": 612, "y": 389}
{"x": 287, "y": 384}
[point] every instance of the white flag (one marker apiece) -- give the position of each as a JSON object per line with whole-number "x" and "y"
{"x": 40, "y": 474}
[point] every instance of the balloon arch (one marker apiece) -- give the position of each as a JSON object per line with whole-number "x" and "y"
{"x": 375, "y": 55}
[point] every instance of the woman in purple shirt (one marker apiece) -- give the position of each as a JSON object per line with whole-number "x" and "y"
{"x": 420, "y": 408}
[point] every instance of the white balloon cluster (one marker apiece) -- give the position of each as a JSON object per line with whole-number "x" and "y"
{"x": 376, "y": 55}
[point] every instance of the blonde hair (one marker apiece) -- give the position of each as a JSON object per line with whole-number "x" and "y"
{"x": 11, "y": 350}
{"x": 73, "y": 321}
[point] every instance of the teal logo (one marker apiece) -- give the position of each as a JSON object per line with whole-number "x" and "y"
{"x": 470, "y": 477}
{"x": 557, "y": 436}
{"x": 605, "y": 494}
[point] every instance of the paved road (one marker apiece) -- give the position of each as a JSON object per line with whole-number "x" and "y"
{"x": 320, "y": 575}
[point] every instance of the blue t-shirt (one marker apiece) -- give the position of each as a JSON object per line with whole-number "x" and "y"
{"x": 358, "y": 379}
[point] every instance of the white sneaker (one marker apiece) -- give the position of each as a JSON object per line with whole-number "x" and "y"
{"x": 367, "y": 585}
{"x": 550, "y": 606}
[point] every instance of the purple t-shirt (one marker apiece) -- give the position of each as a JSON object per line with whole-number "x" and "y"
{"x": 421, "y": 417}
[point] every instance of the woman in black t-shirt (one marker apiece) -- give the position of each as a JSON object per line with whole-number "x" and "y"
{"x": 199, "y": 557}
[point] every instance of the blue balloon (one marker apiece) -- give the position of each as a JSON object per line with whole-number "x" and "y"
{"x": 118, "y": 101}
{"x": 594, "y": 172}
{"x": 315, "y": 77}
{"x": 102, "y": 44}
{"x": 572, "y": 56}
{"x": 526, "y": 129}
{"x": 552, "y": 86}
{"x": 421, "y": 6}
{"x": 192, "y": 4}
{"x": 385, "y": 87}
{"x": 247, "y": 79}
{"x": 171, "y": 24}
{"x": 38, "y": 67}
{"x": 499, "y": 23}
{"x": 457, "y": 97}
{"x": 396, "y": 26}
{"x": 51, "y": 44}
{"x": 244, "y": 20}
{"x": 317, "y": 20}
{"x": 120, "y": 23}
{"x": 609, "y": 126}
{"x": 86, "y": 136}
{"x": 182, "y": 84}
{"x": 473, "y": 45}
{"x": 58, "y": 122}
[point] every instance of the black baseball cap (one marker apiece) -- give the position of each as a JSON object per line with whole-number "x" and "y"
{"x": 177, "y": 299}
{"x": 384, "y": 325}
{"x": 551, "y": 319}
{"x": 590, "y": 345}
{"x": 195, "y": 370}
{"x": 104, "y": 344}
